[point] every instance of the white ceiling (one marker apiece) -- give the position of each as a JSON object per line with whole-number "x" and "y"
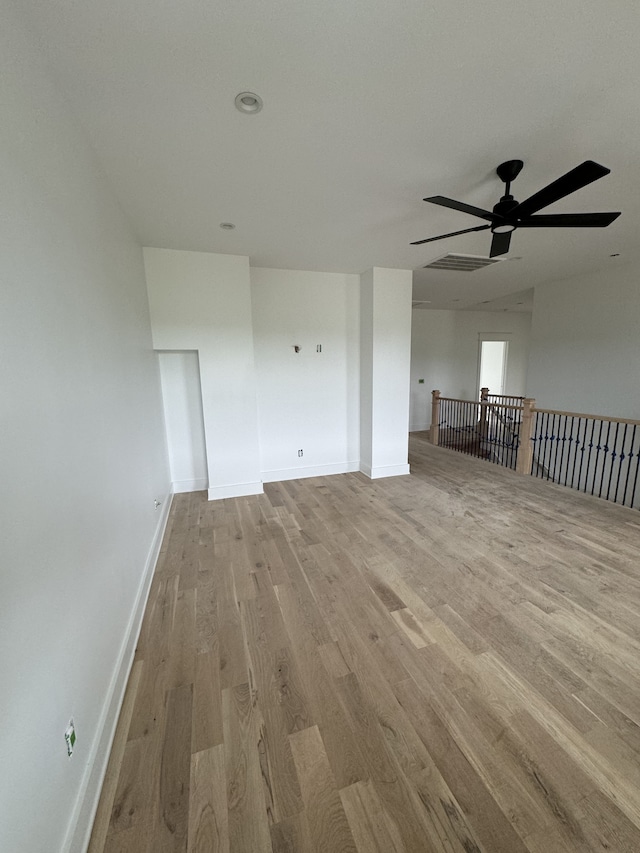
{"x": 369, "y": 106}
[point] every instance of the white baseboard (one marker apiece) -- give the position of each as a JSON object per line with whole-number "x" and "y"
{"x": 419, "y": 427}
{"x": 181, "y": 486}
{"x": 84, "y": 812}
{"x": 278, "y": 475}
{"x": 385, "y": 471}
{"x": 235, "y": 490}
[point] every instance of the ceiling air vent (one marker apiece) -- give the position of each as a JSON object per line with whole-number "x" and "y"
{"x": 462, "y": 263}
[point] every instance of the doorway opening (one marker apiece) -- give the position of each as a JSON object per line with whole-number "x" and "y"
{"x": 493, "y": 366}
{"x": 184, "y": 421}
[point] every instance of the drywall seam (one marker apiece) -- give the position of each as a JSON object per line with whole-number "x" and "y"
{"x": 84, "y": 812}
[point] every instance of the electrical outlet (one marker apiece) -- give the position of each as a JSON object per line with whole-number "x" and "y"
{"x": 301, "y": 452}
{"x": 70, "y": 738}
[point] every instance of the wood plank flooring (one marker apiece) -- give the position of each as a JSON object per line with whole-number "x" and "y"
{"x": 443, "y": 663}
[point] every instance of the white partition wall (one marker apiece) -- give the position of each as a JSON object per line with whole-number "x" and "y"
{"x": 308, "y": 401}
{"x": 201, "y": 301}
{"x": 385, "y": 360}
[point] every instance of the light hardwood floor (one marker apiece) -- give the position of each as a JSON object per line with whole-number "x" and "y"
{"x": 448, "y": 661}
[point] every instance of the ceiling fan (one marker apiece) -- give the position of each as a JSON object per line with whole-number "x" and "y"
{"x": 508, "y": 214}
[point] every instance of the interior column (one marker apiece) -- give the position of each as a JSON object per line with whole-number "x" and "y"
{"x": 385, "y": 361}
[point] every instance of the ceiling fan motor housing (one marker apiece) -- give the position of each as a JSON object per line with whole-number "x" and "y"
{"x": 503, "y": 209}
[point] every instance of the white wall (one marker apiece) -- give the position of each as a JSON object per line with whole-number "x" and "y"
{"x": 202, "y": 301}
{"x": 182, "y": 401}
{"x": 585, "y": 350}
{"x": 385, "y": 353}
{"x": 444, "y": 352}
{"x": 82, "y": 458}
{"x": 307, "y": 400}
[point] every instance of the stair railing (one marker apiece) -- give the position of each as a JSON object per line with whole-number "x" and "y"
{"x": 595, "y": 454}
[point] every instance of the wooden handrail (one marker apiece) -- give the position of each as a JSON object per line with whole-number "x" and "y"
{"x": 544, "y": 411}
{"x": 589, "y": 417}
{"x": 507, "y": 396}
{"x": 480, "y": 403}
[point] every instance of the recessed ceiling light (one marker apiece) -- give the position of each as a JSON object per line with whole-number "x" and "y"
{"x": 248, "y": 102}
{"x": 227, "y": 226}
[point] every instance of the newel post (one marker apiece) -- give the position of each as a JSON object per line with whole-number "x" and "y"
{"x": 434, "y": 434}
{"x": 483, "y": 426}
{"x": 525, "y": 448}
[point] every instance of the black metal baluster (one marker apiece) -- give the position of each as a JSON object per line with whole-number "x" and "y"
{"x": 621, "y": 457}
{"x": 564, "y": 463}
{"x": 575, "y": 453}
{"x": 614, "y": 455}
{"x": 468, "y": 448}
{"x": 566, "y": 472}
{"x": 635, "y": 479}
{"x": 605, "y": 459}
{"x": 454, "y": 420}
{"x": 629, "y": 463}
{"x": 586, "y": 476}
{"x": 471, "y": 420}
{"x": 512, "y": 439}
{"x": 551, "y": 440}
{"x": 464, "y": 420}
{"x": 556, "y": 432}
{"x": 595, "y": 467}
{"x": 546, "y": 445}
{"x": 553, "y": 449}
{"x": 544, "y": 436}
{"x": 582, "y": 449}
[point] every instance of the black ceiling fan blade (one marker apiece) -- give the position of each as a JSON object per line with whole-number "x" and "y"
{"x": 500, "y": 244}
{"x": 452, "y": 234}
{"x": 570, "y": 220}
{"x": 462, "y": 207}
{"x": 577, "y": 178}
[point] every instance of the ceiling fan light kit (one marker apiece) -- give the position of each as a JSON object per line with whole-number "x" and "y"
{"x": 508, "y": 214}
